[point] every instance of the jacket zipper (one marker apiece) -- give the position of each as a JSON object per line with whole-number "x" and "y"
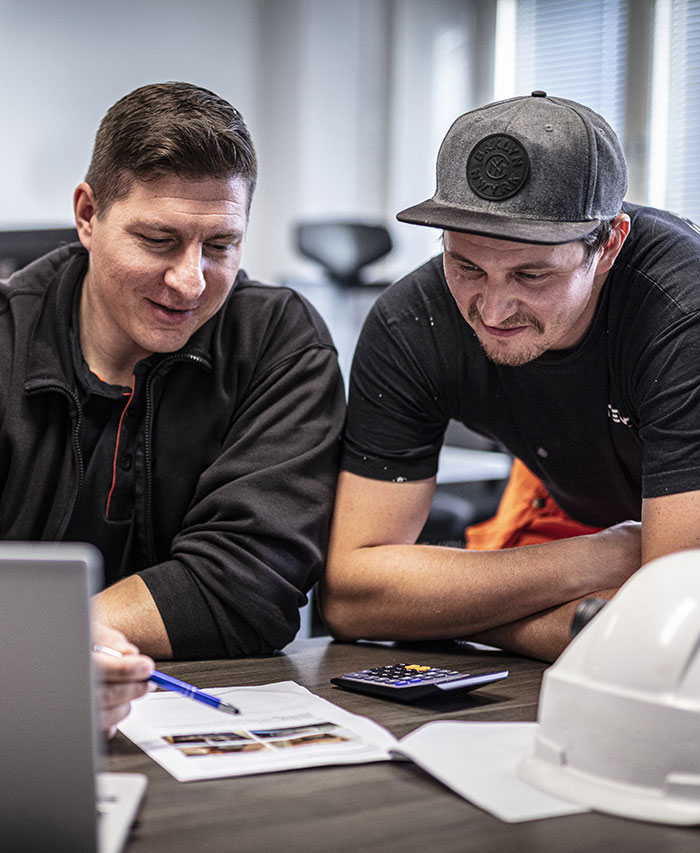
{"x": 73, "y": 397}
{"x": 148, "y": 502}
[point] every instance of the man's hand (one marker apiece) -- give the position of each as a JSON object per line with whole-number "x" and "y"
{"x": 123, "y": 678}
{"x": 623, "y": 544}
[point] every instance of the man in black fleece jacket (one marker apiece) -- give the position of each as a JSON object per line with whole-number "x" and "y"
{"x": 159, "y": 404}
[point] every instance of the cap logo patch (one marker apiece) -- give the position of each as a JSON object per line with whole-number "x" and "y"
{"x": 497, "y": 167}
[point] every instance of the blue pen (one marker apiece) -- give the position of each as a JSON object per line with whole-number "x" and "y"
{"x": 174, "y": 684}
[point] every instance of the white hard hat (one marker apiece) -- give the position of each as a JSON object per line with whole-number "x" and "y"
{"x": 619, "y": 712}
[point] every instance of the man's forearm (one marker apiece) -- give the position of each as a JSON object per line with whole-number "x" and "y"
{"x": 543, "y": 635}
{"x": 412, "y": 592}
{"x": 129, "y": 607}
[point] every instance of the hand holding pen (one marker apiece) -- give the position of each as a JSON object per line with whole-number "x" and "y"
{"x": 168, "y": 682}
{"x": 124, "y": 676}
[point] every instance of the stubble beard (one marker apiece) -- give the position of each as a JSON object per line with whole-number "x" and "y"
{"x": 510, "y": 359}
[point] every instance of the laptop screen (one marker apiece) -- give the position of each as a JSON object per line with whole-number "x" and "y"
{"x": 47, "y": 735}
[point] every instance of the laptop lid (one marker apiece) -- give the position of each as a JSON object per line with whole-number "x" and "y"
{"x": 48, "y": 736}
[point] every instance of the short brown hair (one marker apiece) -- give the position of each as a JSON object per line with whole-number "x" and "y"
{"x": 169, "y": 129}
{"x": 598, "y": 238}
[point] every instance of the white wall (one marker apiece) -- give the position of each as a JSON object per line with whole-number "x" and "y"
{"x": 62, "y": 64}
{"x": 322, "y": 132}
{"x": 327, "y": 87}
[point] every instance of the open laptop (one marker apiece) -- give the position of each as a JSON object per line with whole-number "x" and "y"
{"x": 51, "y": 796}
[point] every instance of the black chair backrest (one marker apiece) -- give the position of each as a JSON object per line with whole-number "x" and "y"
{"x": 343, "y": 248}
{"x": 18, "y": 248}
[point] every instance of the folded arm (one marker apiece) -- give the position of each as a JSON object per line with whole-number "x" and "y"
{"x": 543, "y": 635}
{"x": 379, "y": 584}
{"x": 670, "y": 523}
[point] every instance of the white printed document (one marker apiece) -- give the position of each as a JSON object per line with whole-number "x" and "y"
{"x": 281, "y": 726}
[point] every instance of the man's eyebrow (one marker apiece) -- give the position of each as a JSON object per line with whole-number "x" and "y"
{"x": 154, "y": 226}
{"x": 536, "y": 265}
{"x": 526, "y": 265}
{"x": 461, "y": 258}
{"x": 147, "y": 225}
{"x": 227, "y": 235}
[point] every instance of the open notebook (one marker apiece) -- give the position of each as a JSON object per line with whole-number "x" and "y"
{"x": 51, "y": 795}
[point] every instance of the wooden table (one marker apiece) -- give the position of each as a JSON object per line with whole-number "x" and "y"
{"x": 373, "y": 807}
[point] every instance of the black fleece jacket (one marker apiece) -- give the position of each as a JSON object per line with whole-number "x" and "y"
{"x": 235, "y": 466}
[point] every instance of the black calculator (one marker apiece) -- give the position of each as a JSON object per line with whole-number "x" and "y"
{"x": 412, "y": 681}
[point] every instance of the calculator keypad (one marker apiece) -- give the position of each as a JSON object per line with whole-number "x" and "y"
{"x": 401, "y": 674}
{"x": 411, "y": 681}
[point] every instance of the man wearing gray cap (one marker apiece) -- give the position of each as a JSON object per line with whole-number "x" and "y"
{"x": 559, "y": 322}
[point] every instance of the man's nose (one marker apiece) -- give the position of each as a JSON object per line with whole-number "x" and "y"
{"x": 185, "y": 275}
{"x": 496, "y": 303}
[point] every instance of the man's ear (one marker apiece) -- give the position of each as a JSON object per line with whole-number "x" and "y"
{"x": 85, "y": 210}
{"x": 620, "y": 230}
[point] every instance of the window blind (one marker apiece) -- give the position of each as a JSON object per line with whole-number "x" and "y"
{"x": 683, "y": 111}
{"x": 576, "y": 50}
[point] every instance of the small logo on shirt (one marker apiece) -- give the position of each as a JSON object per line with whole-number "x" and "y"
{"x": 617, "y": 417}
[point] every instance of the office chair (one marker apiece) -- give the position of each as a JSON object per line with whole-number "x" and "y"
{"x": 343, "y": 249}
{"x": 18, "y": 248}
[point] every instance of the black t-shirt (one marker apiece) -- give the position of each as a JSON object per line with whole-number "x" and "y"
{"x": 603, "y": 425}
{"x": 110, "y": 438}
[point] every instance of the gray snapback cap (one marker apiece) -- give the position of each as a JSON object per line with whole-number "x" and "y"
{"x": 532, "y": 169}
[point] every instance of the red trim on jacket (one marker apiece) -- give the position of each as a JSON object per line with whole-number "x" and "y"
{"x": 116, "y": 446}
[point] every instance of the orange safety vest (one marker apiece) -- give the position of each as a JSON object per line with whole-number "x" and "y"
{"x": 527, "y": 515}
